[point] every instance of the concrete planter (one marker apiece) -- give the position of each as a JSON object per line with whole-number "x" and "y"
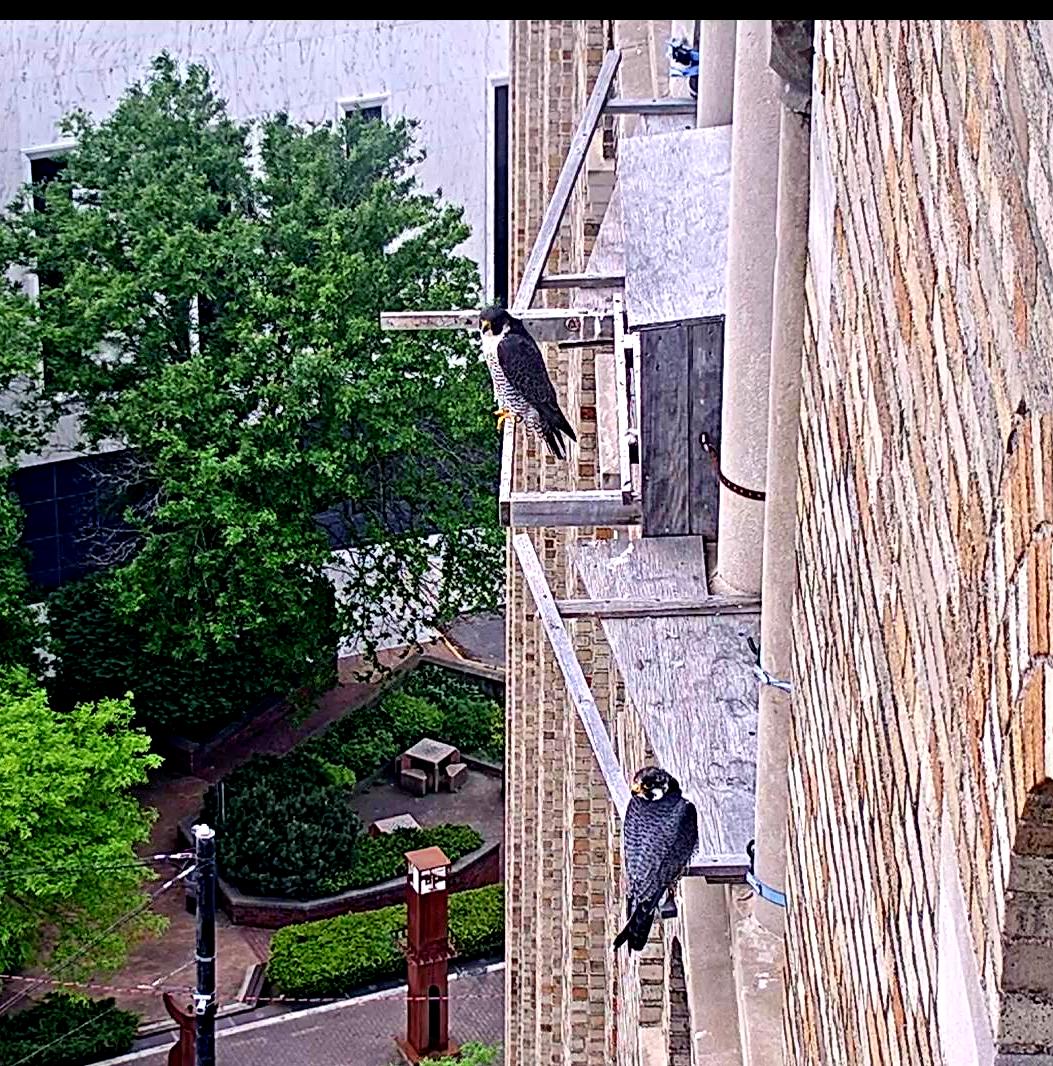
{"x": 474, "y": 870}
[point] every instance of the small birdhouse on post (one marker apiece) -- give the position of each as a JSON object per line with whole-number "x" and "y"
{"x": 427, "y": 956}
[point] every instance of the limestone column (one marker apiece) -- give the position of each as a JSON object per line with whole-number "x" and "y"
{"x": 747, "y": 323}
{"x": 716, "y": 72}
{"x": 791, "y": 58}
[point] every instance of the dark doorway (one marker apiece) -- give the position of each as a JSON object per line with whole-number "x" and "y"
{"x": 434, "y": 1021}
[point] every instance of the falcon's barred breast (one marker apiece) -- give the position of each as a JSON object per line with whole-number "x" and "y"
{"x": 659, "y": 836}
{"x": 522, "y": 387}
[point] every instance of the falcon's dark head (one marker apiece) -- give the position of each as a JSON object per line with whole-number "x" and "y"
{"x": 495, "y": 320}
{"x": 651, "y": 783}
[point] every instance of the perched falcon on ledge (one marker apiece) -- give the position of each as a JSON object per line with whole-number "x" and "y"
{"x": 522, "y": 387}
{"x": 659, "y": 836}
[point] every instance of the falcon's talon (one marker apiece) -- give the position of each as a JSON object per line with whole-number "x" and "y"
{"x": 501, "y": 416}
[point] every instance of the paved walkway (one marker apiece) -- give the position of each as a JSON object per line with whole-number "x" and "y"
{"x": 479, "y": 803}
{"x": 353, "y": 1032}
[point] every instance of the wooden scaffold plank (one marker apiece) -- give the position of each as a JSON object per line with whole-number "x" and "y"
{"x": 654, "y": 607}
{"x": 577, "y": 687}
{"x": 557, "y": 205}
{"x": 621, "y": 398}
{"x": 581, "y": 281}
{"x": 548, "y": 324}
{"x": 667, "y": 105}
{"x": 581, "y": 507}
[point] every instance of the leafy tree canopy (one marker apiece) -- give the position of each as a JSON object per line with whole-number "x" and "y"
{"x": 213, "y": 306}
{"x": 19, "y": 631}
{"x": 68, "y": 827}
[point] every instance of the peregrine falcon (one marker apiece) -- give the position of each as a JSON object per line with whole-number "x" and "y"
{"x": 659, "y": 837}
{"x": 522, "y": 387}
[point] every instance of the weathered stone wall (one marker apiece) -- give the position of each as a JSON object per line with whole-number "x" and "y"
{"x": 925, "y": 510}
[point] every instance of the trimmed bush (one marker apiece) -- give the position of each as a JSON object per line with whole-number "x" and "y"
{"x": 429, "y": 702}
{"x": 473, "y": 1054}
{"x": 382, "y": 858}
{"x": 286, "y": 831}
{"x": 289, "y": 830}
{"x": 335, "y": 956}
{"x": 87, "y": 1030}
{"x": 472, "y": 718}
{"x": 477, "y": 921}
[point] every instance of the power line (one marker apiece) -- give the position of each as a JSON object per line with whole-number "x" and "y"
{"x": 94, "y": 986}
{"x": 141, "y": 863}
{"x": 84, "y": 949}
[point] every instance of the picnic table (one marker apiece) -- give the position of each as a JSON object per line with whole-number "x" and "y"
{"x": 431, "y": 756}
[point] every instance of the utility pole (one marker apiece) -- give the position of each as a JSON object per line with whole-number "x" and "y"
{"x": 205, "y": 996}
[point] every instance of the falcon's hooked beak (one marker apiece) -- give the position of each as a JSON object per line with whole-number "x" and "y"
{"x": 484, "y": 327}
{"x": 637, "y": 788}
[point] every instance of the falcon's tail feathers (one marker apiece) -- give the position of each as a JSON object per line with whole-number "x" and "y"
{"x": 554, "y": 426}
{"x": 638, "y": 927}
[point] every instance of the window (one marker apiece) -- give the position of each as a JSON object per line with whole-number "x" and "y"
{"x": 44, "y": 166}
{"x": 500, "y": 198}
{"x": 43, "y": 170}
{"x": 370, "y": 108}
{"x": 72, "y": 517}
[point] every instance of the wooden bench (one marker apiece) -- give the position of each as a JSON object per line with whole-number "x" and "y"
{"x": 456, "y": 773}
{"x": 414, "y": 781}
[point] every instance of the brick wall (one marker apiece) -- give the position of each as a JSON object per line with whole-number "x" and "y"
{"x": 568, "y": 999}
{"x": 925, "y": 508}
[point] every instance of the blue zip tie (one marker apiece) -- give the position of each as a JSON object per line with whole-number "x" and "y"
{"x": 772, "y": 895}
{"x": 766, "y": 892}
{"x": 685, "y": 70}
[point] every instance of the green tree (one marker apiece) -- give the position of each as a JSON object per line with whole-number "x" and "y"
{"x": 19, "y": 631}
{"x": 68, "y": 827}
{"x": 218, "y": 315}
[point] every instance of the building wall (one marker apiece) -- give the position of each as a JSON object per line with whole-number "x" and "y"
{"x": 436, "y": 70}
{"x": 925, "y": 503}
{"x": 570, "y": 1000}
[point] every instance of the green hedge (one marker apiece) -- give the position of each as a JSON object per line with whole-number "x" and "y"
{"x": 86, "y": 1030}
{"x": 288, "y": 829}
{"x": 381, "y": 858}
{"x": 335, "y": 956}
{"x": 428, "y": 702}
{"x": 285, "y": 830}
{"x": 473, "y": 719}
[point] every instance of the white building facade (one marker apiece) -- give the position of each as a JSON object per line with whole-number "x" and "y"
{"x": 449, "y": 74}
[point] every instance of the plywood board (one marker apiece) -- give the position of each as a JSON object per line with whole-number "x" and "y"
{"x": 691, "y": 681}
{"x": 674, "y": 201}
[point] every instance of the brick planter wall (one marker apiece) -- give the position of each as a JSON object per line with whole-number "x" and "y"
{"x": 475, "y": 870}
